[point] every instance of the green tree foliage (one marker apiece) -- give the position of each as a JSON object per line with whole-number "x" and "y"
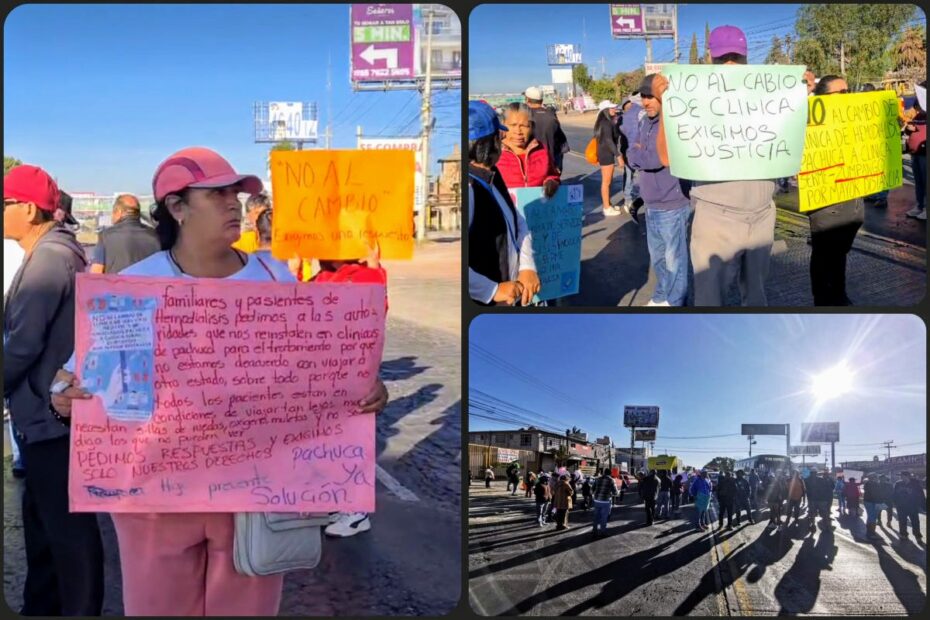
{"x": 707, "y": 59}
{"x": 582, "y": 77}
{"x": 862, "y": 34}
{"x": 909, "y": 54}
{"x": 721, "y": 463}
{"x": 693, "y": 54}
{"x": 9, "y": 163}
{"x": 776, "y": 55}
{"x": 284, "y": 145}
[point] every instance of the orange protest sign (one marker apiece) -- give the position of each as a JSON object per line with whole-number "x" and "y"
{"x": 335, "y": 205}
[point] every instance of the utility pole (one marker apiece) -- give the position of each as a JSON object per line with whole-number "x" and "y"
{"x": 632, "y": 435}
{"x": 648, "y": 49}
{"x": 329, "y": 101}
{"x": 603, "y": 62}
{"x": 888, "y": 445}
{"x": 675, "y": 29}
{"x": 427, "y": 108}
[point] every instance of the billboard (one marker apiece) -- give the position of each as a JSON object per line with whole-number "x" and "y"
{"x": 382, "y": 42}
{"x": 764, "y": 429}
{"x": 403, "y": 144}
{"x": 562, "y": 75}
{"x": 563, "y": 54}
{"x": 507, "y": 456}
{"x": 445, "y": 42}
{"x": 636, "y": 416}
{"x": 631, "y": 21}
{"x": 809, "y": 450}
{"x": 653, "y": 67}
{"x": 287, "y": 121}
{"x": 646, "y": 434}
{"x": 820, "y": 432}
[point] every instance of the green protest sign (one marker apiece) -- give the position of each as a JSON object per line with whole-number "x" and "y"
{"x": 734, "y": 122}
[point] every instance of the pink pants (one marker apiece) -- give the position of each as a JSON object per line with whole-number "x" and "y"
{"x": 181, "y": 564}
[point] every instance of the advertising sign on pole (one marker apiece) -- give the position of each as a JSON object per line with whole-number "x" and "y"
{"x": 626, "y": 19}
{"x": 562, "y": 75}
{"x": 382, "y": 42}
{"x": 288, "y": 121}
{"x": 632, "y": 21}
{"x": 563, "y": 54}
{"x": 820, "y": 432}
{"x": 808, "y": 450}
{"x": 646, "y": 434}
{"x": 636, "y": 416}
{"x": 763, "y": 429}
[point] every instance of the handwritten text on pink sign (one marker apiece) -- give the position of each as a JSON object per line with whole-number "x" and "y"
{"x": 242, "y": 396}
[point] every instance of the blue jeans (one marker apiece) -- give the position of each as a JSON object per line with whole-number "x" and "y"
{"x": 871, "y": 513}
{"x": 667, "y": 238}
{"x": 662, "y": 504}
{"x": 601, "y": 515}
{"x": 626, "y": 183}
{"x": 919, "y": 169}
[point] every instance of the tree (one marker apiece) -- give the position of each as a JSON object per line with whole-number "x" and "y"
{"x": 909, "y": 54}
{"x": 721, "y": 463}
{"x": 776, "y": 55}
{"x": 693, "y": 54}
{"x": 560, "y": 455}
{"x": 582, "y": 76}
{"x": 849, "y": 40}
{"x": 284, "y": 145}
{"x": 707, "y": 59}
{"x": 9, "y": 163}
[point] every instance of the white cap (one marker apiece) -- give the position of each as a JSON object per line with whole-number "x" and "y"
{"x": 533, "y": 93}
{"x": 606, "y": 103}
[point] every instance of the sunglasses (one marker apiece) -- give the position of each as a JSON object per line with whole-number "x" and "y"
{"x": 845, "y": 91}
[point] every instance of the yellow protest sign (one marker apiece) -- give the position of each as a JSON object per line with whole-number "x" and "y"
{"x": 852, "y": 148}
{"x": 334, "y": 205}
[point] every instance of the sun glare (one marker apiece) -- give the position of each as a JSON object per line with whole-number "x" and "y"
{"x": 833, "y": 382}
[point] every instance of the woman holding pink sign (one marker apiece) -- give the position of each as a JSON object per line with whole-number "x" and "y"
{"x": 182, "y": 563}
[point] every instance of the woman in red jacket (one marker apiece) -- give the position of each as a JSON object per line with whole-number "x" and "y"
{"x": 525, "y": 162}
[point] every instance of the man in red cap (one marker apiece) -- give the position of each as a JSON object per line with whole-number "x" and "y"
{"x": 64, "y": 554}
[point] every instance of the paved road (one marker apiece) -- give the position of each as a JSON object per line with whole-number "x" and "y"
{"x": 418, "y": 516}
{"x": 670, "y": 568}
{"x": 887, "y": 265}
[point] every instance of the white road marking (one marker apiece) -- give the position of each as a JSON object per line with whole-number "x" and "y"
{"x": 394, "y": 486}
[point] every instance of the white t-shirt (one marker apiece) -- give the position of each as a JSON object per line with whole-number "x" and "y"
{"x": 13, "y": 256}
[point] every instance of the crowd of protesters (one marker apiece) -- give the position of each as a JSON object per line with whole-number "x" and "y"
{"x": 704, "y": 239}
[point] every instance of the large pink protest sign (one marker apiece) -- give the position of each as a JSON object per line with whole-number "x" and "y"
{"x": 224, "y": 396}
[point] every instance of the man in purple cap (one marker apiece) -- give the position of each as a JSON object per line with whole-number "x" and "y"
{"x": 734, "y": 221}
{"x": 64, "y": 553}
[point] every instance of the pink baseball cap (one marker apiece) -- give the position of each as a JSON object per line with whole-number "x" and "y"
{"x": 726, "y": 40}
{"x": 199, "y": 167}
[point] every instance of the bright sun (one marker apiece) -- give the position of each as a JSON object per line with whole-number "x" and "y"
{"x": 832, "y": 382}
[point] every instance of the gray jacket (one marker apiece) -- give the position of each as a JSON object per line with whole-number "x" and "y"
{"x": 38, "y": 328}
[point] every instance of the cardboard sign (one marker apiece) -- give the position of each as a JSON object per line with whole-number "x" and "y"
{"x": 555, "y": 224}
{"x": 734, "y": 122}
{"x": 335, "y": 205}
{"x": 213, "y": 396}
{"x": 852, "y": 148}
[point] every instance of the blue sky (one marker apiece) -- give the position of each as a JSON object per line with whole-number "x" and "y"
{"x": 709, "y": 374}
{"x": 100, "y": 94}
{"x": 507, "y": 44}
